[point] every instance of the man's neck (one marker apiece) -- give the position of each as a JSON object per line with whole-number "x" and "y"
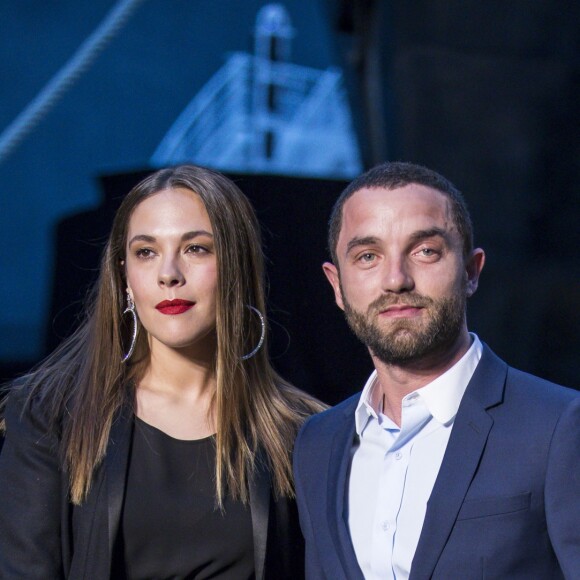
{"x": 396, "y": 381}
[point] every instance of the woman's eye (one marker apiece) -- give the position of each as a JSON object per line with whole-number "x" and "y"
{"x": 144, "y": 253}
{"x": 196, "y": 249}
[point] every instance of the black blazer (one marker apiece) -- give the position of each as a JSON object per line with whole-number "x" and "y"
{"x": 44, "y": 536}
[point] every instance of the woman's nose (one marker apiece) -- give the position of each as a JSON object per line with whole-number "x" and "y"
{"x": 170, "y": 274}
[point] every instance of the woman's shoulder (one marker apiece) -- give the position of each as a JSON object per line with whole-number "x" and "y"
{"x": 28, "y": 407}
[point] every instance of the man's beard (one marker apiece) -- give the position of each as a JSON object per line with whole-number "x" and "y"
{"x": 401, "y": 341}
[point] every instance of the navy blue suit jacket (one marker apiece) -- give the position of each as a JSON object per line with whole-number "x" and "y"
{"x": 506, "y": 502}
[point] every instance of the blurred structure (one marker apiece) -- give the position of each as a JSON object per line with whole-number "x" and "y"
{"x": 487, "y": 93}
{"x": 261, "y": 113}
{"x": 79, "y": 100}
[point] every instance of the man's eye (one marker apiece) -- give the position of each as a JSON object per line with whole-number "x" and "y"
{"x": 366, "y": 257}
{"x": 427, "y": 253}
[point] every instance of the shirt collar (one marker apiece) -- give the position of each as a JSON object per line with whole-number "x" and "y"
{"x": 441, "y": 396}
{"x": 365, "y": 410}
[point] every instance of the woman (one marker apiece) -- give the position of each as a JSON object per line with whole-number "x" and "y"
{"x": 155, "y": 442}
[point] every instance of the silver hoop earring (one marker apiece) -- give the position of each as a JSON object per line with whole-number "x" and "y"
{"x": 262, "y": 335}
{"x": 131, "y": 309}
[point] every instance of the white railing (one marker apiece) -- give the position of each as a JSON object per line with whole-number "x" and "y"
{"x": 225, "y": 124}
{"x": 197, "y": 126}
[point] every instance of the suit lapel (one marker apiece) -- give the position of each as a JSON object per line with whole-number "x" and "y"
{"x": 337, "y": 492}
{"x": 260, "y": 510}
{"x": 462, "y": 456}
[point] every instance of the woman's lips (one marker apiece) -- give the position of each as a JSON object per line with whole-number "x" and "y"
{"x": 176, "y": 306}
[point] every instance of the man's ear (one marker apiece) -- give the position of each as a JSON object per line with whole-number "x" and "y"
{"x": 473, "y": 268}
{"x": 332, "y": 275}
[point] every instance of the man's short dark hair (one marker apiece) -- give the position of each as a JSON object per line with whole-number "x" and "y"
{"x": 396, "y": 174}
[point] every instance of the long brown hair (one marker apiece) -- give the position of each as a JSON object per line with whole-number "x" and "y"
{"x": 85, "y": 382}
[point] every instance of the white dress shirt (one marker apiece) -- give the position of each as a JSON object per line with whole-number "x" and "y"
{"x": 393, "y": 469}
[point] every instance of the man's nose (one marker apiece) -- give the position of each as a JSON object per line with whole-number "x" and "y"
{"x": 397, "y": 276}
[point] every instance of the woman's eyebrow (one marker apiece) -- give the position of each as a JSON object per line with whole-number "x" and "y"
{"x": 142, "y": 238}
{"x": 185, "y": 237}
{"x": 194, "y": 234}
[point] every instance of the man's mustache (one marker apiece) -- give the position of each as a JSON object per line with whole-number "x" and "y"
{"x": 411, "y": 299}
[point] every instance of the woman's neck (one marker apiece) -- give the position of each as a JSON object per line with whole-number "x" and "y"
{"x": 175, "y": 393}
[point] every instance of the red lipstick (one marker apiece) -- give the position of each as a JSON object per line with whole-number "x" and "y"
{"x": 177, "y": 306}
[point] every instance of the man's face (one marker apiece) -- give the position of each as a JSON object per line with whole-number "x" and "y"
{"x": 402, "y": 279}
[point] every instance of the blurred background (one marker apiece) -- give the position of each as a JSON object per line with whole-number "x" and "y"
{"x": 292, "y": 99}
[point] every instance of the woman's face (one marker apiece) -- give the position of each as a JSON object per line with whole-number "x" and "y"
{"x": 171, "y": 270}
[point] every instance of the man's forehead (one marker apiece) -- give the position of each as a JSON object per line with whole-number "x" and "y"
{"x": 408, "y": 191}
{"x": 411, "y": 202}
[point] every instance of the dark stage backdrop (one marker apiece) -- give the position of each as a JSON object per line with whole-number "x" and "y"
{"x": 488, "y": 94}
{"x": 528, "y": 319}
{"x": 524, "y": 308}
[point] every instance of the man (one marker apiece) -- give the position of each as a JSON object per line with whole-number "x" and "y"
{"x": 450, "y": 464}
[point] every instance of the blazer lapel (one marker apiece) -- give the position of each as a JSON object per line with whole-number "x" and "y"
{"x": 116, "y": 463}
{"x": 337, "y": 485}
{"x": 97, "y": 520}
{"x": 260, "y": 509}
{"x": 462, "y": 456}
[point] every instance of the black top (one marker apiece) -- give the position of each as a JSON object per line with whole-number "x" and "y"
{"x": 171, "y": 528}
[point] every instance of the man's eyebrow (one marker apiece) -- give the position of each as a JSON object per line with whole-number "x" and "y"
{"x": 355, "y": 242}
{"x": 185, "y": 237}
{"x": 434, "y": 232}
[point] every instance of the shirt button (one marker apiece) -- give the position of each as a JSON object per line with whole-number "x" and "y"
{"x": 398, "y": 455}
{"x": 386, "y": 526}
